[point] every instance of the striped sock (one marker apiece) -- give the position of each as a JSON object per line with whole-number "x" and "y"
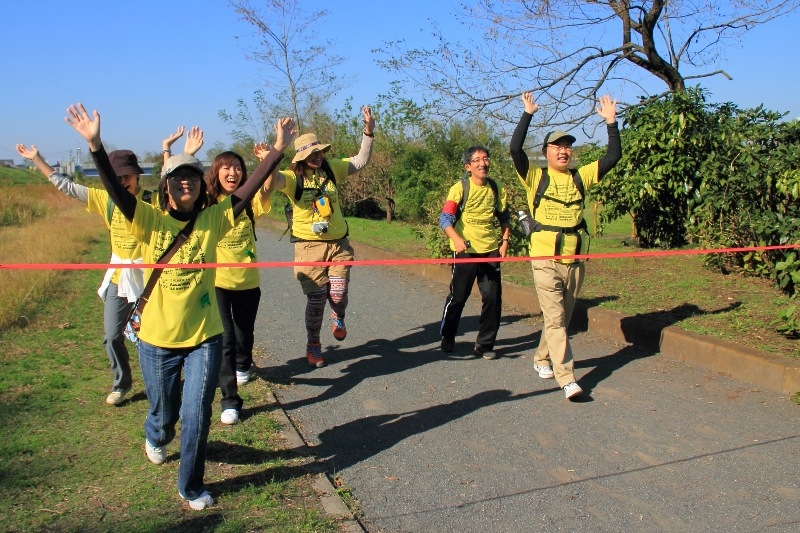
{"x": 315, "y": 308}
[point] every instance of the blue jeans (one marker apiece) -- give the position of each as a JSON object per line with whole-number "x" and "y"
{"x": 161, "y": 370}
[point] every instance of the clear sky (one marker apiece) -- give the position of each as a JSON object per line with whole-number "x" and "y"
{"x": 151, "y": 65}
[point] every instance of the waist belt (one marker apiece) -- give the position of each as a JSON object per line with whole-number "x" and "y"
{"x": 574, "y": 230}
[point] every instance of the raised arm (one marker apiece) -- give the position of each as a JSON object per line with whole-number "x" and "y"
{"x": 62, "y": 183}
{"x": 607, "y": 109}
{"x": 194, "y": 141}
{"x": 244, "y": 194}
{"x": 166, "y": 144}
{"x": 361, "y": 159}
{"x": 518, "y": 155}
{"x": 89, "y": 129}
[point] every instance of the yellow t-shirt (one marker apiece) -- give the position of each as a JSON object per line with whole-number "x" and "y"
{"x": 123, "y": 244}
{"x": 551, "y": 213}
{"x": 303, "y": 214}
{"x": 182, "y": 310}
{"x": 239, "y": 246}
{"x": 476, "y": 224}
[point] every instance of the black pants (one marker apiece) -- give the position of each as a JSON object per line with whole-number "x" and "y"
{"x": 238, "y": 310}
{"x": 489, "y": 284}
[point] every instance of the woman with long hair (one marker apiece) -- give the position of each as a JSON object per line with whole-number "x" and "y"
{"x": 238, "y": 289}
{"x": 319, "y": 230}
{"x": 181, "y": 328}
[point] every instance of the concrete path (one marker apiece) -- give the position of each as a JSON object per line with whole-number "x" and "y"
{"x": 445, "y": 442}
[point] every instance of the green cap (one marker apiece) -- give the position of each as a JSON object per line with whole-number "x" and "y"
{"x": 557, "y": 135}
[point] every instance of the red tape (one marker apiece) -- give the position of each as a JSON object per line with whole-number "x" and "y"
{"x": 387, "y": 262}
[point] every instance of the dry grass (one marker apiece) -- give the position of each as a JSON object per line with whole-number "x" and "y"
{"x": 62, "y": 236}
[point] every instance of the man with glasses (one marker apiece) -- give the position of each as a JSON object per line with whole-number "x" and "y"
{"x": 468, "y": 220}
{"x": 555, "y": 198}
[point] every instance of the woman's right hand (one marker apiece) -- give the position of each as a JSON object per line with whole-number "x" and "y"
{"x": 530, "y": 106}
{"x": 167, "y": 143}
{"x": 194, "y": 141}
{"x": 284, "y": 130}
{"x": 88, "y": 128}
{"x": 261, "y": 150}
{"x": 31, "y": 154}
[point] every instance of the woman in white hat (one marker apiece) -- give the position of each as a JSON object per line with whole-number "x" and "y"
{"x": 319, "y": 230}
{"x": 181, "y": 329}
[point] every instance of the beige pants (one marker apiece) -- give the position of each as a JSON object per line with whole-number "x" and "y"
{"x": 557, "y": 286}
{"x": 311, "y": 277}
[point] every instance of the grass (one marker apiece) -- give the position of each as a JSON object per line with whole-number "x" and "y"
{"x": 68, "y": 462}
{"x": 676, "y": 291}
{"x": 62, "y": 236}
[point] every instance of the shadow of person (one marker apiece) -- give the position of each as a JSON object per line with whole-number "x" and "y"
{"x": 603, "y": 367}
{"x": 350, "y": 443}
{"x": 381, "y": 357}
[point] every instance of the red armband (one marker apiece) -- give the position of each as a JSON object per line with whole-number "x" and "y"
{"x": 450, "y": 207}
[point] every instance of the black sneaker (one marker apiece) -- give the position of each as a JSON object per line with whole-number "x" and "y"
{"x": 484, "y": 352}
{"x": 448, "y": 344}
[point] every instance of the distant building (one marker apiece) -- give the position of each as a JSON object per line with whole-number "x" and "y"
{"x": 7, "y": 163}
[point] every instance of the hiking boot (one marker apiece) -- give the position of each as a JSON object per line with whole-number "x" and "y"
{"x": 201, "y": 502}
{"x": 545, "y": 372}
{"x": 448, "y": 344}
{"x": 242, "y": 378}
{"x": 572, "y": 389}
{"x": 314, "y": 355}
{"x": 229, "y": 416}
{"x": 156, "y": 454}
{"x": 117, "y": 396}
{"x": 339, "y": 329}
{"x": 486, "y": 353}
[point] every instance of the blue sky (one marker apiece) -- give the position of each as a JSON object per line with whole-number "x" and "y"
{"x": 149, "y": 66}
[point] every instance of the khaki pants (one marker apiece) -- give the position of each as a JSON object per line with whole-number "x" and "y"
{"x": 313, "y": 278}
{"x": 557, "y": 286}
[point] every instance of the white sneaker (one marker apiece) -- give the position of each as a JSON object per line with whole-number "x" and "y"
{"x": 156, "y": 454}
{"x": 572, "y": 389}
{"x": 117, "y": 396}
{"x": 545, "y": 372}
{"x": 229, "y": 416}
{"x": 201, "y": 502}
{"x": 242, "y": 378}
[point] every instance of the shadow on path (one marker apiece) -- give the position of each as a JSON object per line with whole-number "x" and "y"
{"x": 382, "y": 357}
{"x": 351, "y": 443}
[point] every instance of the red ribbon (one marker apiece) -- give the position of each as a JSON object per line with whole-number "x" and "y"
{"x": 385, "y": 262}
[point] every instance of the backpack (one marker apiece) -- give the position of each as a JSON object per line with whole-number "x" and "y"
{"x": 544, "y": 183}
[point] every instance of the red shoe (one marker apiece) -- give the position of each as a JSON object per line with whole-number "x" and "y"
{"x": 314, "y": 355}
{"x": 339, "y": 329}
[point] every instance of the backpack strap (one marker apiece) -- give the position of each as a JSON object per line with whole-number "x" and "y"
{"x": 147, "y": 196}
{"x": 109, "y": 211}
{"x": 544, "y": 183}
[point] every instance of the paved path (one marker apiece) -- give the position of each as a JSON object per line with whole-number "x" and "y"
{"x": 444, "y": 442}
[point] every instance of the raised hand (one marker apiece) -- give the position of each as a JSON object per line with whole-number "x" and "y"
{"x": 31, "y": 154}
{"x": 607, "y": 109}
{"x": 167, "y": 143}
{"x": 284, "y": 131}
{"x": 194, "y": 141}
{"x": 87, "y": 127}
{"x": 530, "y": 105}
{"x": 260, "y": 150}
{"x": 368, "y": 120}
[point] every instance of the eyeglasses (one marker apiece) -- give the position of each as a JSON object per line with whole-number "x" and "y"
{"x": 480, "y": 160}
{"x": 559, "y": 148}
{"x": 184, "y": 176}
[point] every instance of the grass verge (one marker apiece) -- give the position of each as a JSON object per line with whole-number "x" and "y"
{"x": 69, "y": 462}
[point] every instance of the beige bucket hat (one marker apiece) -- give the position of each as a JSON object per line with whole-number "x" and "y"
{"x": 307, "y": 144}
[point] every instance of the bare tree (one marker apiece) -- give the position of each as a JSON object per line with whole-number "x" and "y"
{"x": 299, "y": 65}
{"x": 567, "y": 50}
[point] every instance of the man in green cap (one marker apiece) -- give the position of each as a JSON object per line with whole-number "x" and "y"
{"x": 555, "y": 199}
